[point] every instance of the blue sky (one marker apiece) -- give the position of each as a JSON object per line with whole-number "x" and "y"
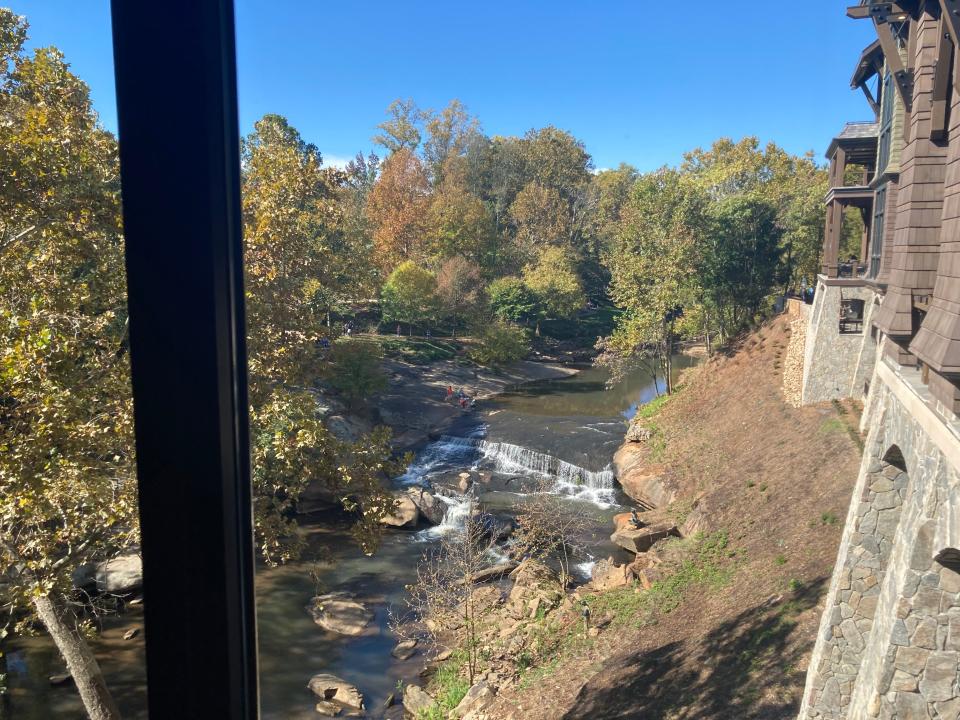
{"x": 636, "y": 83}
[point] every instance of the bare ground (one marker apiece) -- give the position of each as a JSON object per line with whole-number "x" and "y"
{"x": 777, "y": 479}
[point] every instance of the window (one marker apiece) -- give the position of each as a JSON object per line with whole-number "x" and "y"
{"x": 876, "y": 242}
{"x": 886, "y": 124}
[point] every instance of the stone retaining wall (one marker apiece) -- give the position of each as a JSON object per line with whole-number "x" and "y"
{"x": 889, "y": 639}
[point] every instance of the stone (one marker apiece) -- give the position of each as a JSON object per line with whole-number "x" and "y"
{"x": 340, "y": 613}
{"x": 464, "y": 482}
{"x": 637, "y": 433}
{"x": 416, "y": 701}
{"x": 60, "y": 679}
{"x": 899, "y": 634}
{"x": 131, "y": 633}
{"x": 949, "y": 710}
{"x": 121, "y": 575}
{"x": 429, "y": 507}
{"x": 331, "y": 688}
{"x": 903, "y": 682}
{"x": 325, "y": 707}
{"x": 868, "y": 606}
{"x": 444, "y": 655}
{"x": 887, "y": 522}
{"x": 478, "y": 697}
{"x": 949, "y": 580}
{"x": 925, "y": 636}
{"x": 607, "y": 575}
{"x": 927, "y": 601}
{"x": 852, "y": 635}
{"x": 921, "y": 554}
{"x": 939, "y": 676}
{"x": 404, "y": 650}
{"x": 953, "y": 635}
{"x": 910, "y": 706}
{"x": 881, "y": 485}
{"x": 638, "y": 540}
{"x": 406, "y": 515}
{"x": 886, "y": 500}
{"x": 911, "y": 660}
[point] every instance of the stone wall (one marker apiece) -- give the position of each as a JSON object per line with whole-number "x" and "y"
{"x": 837, "y": 366}
{"x": 889, "y": 639}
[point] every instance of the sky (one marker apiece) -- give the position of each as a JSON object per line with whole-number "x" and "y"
{"x": 637, "y": 81}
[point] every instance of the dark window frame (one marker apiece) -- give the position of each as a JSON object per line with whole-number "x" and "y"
{"x": 179, "y": 154}
{"x": 885, "y": 134}
{"x": 876, "y": 231}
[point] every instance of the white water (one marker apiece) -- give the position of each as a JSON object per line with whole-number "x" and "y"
{"x": 454, "y": 517}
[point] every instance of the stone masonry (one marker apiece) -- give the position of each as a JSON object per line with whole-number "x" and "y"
{"x": 889, "y": 639}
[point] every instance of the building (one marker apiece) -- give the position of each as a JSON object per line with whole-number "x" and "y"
{"x": 885, "y": 328}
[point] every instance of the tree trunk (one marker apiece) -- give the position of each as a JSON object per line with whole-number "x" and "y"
{"x": 81, "y": 663}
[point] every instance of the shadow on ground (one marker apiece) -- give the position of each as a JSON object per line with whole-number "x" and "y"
{"x": 745, "y": 667}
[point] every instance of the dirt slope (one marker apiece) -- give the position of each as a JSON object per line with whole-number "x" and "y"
{"x": 777, "y": 480}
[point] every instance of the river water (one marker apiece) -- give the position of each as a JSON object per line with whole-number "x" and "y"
{"x": 560, "y": 432}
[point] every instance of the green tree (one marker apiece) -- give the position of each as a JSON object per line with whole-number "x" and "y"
{"x": 554, "y": 282}
{"x": 401, "y": 131}
{"x": 510, "y": 300}
{"x": 355, "y": 369}
{"x": 501, "y": 343}
{"x": 449, "y": 133}
{"x": 409, "y": 295}
{"x": 67, "y": 483}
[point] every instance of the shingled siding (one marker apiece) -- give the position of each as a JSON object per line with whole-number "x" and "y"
{"x": 938, "y": 340}
{"x": 919, "y": 199}
{"x": 889, "y": 228}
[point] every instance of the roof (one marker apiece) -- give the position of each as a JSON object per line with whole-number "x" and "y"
{"x": 871, "y": 60}
{"x": 857, "y": 138}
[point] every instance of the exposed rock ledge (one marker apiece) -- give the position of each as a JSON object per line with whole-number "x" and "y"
{"x": 646, "y": 484}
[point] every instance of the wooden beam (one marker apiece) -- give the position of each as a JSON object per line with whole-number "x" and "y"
{"x": 874, "y": 105}
{"x": 879, "y": 11}
{"x": 941, "y": 84}
{"x": 902, "y": 76}
{"x": 950, "y": 21}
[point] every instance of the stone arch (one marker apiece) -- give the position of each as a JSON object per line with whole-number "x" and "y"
{"x": 949, "y": 558}
{"x": 894, "y": 456}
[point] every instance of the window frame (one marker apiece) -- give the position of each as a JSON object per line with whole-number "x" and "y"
{"x": 175, "y": 67}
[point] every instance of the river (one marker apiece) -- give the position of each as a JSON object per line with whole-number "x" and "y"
{"x": 564, "y": 431}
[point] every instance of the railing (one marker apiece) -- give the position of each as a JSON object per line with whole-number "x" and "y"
{"x": 851, "y": 270}
{"x": 851, "y": 316}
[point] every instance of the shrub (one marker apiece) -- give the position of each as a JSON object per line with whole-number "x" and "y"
{"x": 500, "y": 344}
{"x": 510, "y": 300}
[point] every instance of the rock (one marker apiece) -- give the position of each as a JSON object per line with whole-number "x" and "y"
{"x": 464, "y": 481}
{"x": 136, "y": 601}
{"x": 637, "y": 433}
{"x": 347, "y": 428}
{"x": 406, "y": 515}
{"x": 120, "y": 576}
{"x": 622, "y": 520}
{"x": 477, "y": 698}
{"x": 647, "y": 484}
{"x": 638, "y": 540}
{"x": 444, "y": 655}
{"x": 339, "y": 613}
{"x": 331, "y": 688}
{"x": 607, "y": 575}
{"x": 404, "y": 650}
{"x": 429, "y": 507}
{"x": 325, "y": 707}
{"x": 495, "y": 528}
{"x": 391, "y": 698}
{"x": 61, "y": 679}
{"x": 415, "y": 700}
{"x": 494, "y": 572}
{"x": 131, "y": 633}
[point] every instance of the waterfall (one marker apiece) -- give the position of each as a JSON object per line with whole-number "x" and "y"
{"x": 454, "y": 517}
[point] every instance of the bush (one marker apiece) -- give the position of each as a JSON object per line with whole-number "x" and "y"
{"x": 510, "y": 300}
{"x": 355, "y": 369}
{"x": 500, "y": 344}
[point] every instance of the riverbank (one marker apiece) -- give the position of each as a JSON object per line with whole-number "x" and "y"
{"x": 720, "y": 623}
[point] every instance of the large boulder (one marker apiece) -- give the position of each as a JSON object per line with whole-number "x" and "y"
{"x": 121, "y": 575}
{"x": 639, "y": 540}
{"x": 330, "y": 688}
{"x": 494, "y": 528}
{"x": 338, "y": 612}
{"x": 429, "y": 507}
{"x": 407, "y": 513}
{"x": 647, "y": 484}
{"x": 477, "y": 698}
{"x": 607, "y": 575}
{"x": 416, "y": 701}
{"x": 347, "y": 428}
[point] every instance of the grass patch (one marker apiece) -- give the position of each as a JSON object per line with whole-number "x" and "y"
{"x": 417, "y": 350}
{"x": 708, "y": 563}
{"x": 650, "y": 409}
{"x": 833, "y": 425}
{"x": 448, "y": 687}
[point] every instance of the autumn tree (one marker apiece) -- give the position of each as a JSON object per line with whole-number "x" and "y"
{"x": 449, "y": 135}
{"x": 458, "y": 224}
{"x": 291, "y": 223}
{"x": 67, "y": 483}
{"x": 458, "y": 290}
{"x": 398, "y": 207}
{"x": 553, "y": 281}
{"x": 409, "y": 295}
{"x": 542, "y": 219}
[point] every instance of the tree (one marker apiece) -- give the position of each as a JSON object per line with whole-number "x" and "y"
{"x": 501, "y": 343}
{"x": 67, "y": 483}
{"x": 548, "y": 528}
{"x": 355, "y": 369}
{"x": 511, "y": 300}
{"x": 401, "y": 131}
{"x": 458, "y": 289}
{"x": 449, "y": 133}
{"x": 459, "y": 225}
{"x": 409, "y": 295}
{"x": 397, "y": 208}
{"x": 542, "y": 219}
{"x": 553, "y": 281}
